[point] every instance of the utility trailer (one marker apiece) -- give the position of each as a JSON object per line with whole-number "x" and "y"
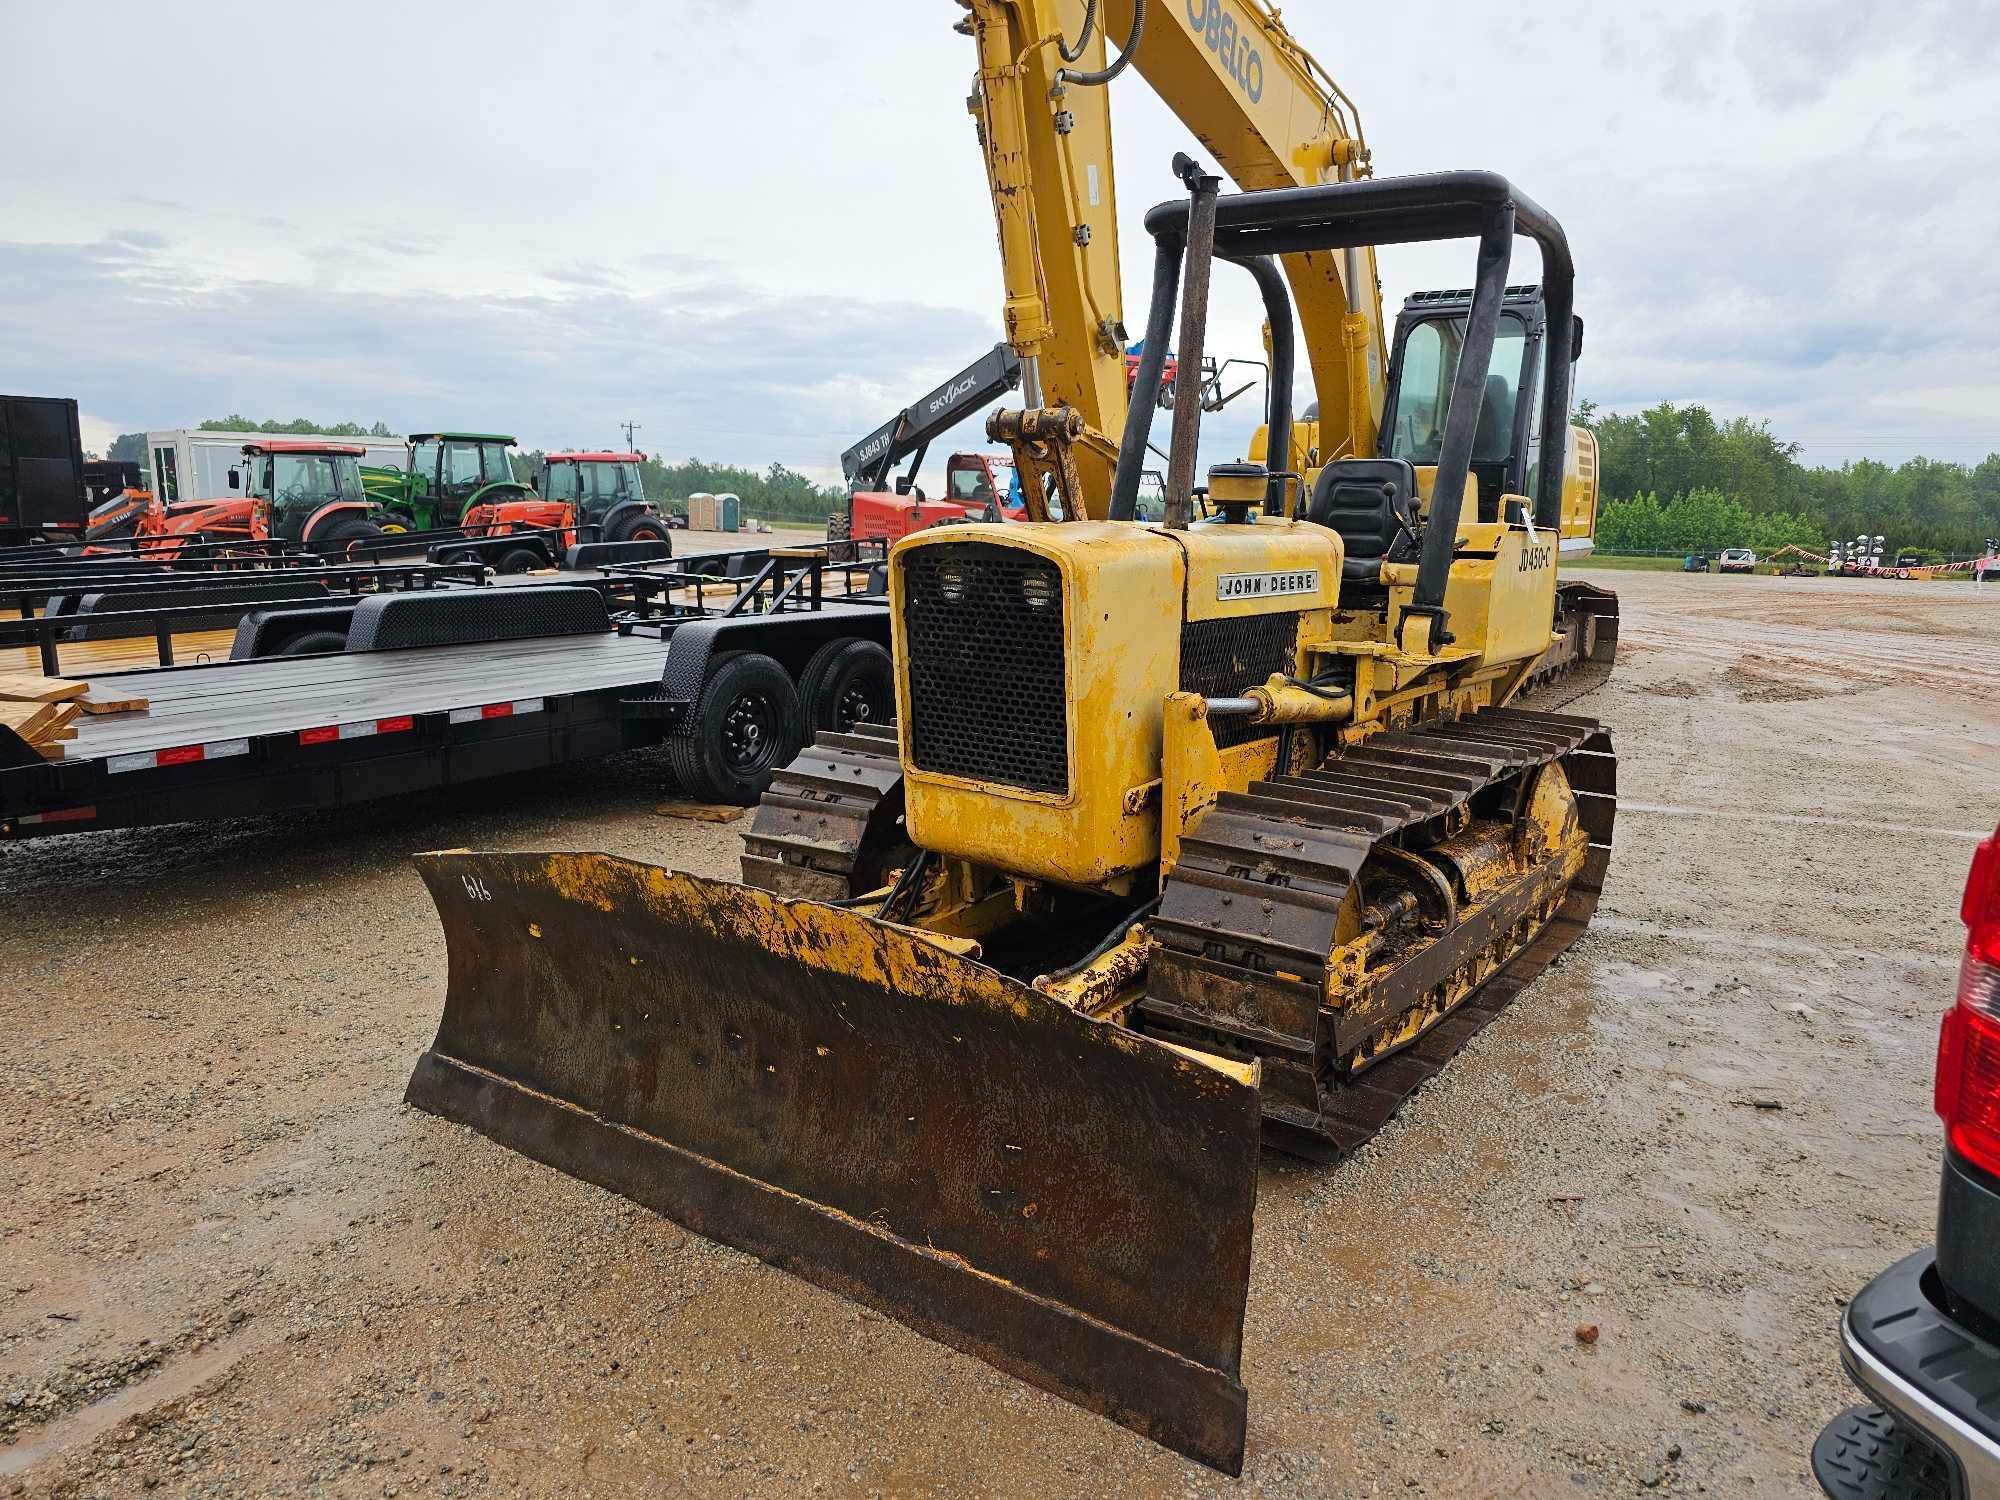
{"x": 436, "y": 688}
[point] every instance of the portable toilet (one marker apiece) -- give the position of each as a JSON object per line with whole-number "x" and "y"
{"x": 731, "y": 508}
{"x": 701, "y": 512}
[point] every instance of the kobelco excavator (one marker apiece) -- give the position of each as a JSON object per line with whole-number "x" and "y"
{"x": 1190, "y": 837}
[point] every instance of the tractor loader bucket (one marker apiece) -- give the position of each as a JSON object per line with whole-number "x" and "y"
{"x": 854, "y": 1103}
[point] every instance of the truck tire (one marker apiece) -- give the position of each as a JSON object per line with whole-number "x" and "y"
{"x": 518, "y": 560}
{"x": 313, "y": 642}
{"x": 746, "y": 723}
{"x": 847, "y": 682}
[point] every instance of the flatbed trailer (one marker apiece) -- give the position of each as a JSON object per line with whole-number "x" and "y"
{"x": 443, "y": 687}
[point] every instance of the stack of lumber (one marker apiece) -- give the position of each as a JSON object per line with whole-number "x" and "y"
{"x": 42, "y": 710}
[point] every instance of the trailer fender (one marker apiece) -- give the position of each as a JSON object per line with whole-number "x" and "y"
{"x": 790, "y": 639}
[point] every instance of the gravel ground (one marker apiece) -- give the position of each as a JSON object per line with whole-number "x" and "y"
{"x": 233, "y": 1264}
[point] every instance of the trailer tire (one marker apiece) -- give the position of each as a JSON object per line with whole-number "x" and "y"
{"x": 314, "y": 642}
{"x": 746, "y": 723}
{"x": 518, "y": 560}
{"x": 848, "y": 682}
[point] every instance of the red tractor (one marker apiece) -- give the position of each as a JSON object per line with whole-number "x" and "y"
{"x": 303, "y": 490}
{"x": 602, "y": 490}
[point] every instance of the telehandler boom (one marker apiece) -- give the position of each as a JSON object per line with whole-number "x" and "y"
{"x": 1206, "y": 835}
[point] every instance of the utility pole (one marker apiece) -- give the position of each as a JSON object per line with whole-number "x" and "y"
{"x": 630, "y": 428}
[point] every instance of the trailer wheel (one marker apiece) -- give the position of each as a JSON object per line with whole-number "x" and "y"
{"x": 746, "y": 723}
{"x": 313, "y": 642}
{"x": 848, "y": 682}
{"x": 518, "y": 560}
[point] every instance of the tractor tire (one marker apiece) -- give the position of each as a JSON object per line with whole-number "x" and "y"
{"x": 517, "y": 560}
{"x": 643, "y": 528}
{"x": 394, "y": 524}
{"x": 840, "y": 546}
{"x": 746, "y": 723}
{"x": 338, "y": 536}
{"x": 314, "y": 643}
{"x": 848, "y": 682}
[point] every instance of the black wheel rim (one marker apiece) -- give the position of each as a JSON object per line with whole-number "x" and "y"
{"x": 749, "y": 735}
{"x": 857, "y": 706}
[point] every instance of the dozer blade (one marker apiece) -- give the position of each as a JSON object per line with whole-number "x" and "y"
{"x": 1066, "y": 1200}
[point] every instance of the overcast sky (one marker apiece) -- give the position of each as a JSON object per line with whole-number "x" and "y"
{"x": 759, "y": 227}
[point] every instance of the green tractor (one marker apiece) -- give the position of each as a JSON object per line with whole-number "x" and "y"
{"x": 453, "y": 479}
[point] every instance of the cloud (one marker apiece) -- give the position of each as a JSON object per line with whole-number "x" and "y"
{"x": 738, "y": 374}
{"x": 757, "y": 228}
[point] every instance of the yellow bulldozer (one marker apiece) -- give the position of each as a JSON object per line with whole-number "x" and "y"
{"x": 1191, "y": 836}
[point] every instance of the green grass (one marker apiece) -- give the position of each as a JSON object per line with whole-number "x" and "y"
{"x": 1626, "y": 564}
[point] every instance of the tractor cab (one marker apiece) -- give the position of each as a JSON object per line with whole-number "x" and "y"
{"x": 604, "y": 490}
{"x": 1430, "y": 333}
{"x": 452, "y": 476}
{"x": 308, "y": 492}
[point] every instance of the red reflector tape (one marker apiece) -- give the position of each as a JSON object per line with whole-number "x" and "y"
{"x": 179, "y": 755}
{"x": 497, "y": 710}
{"x": 360, "y": 729}
{"x": 63, "y": 815}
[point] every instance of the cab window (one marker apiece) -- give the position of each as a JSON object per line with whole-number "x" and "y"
{"x": 497, "y": 469}
{"x": 971, "y": 485}
{"x": 1430, "y": 363}
{"x": 563, "y": 482}
{"x": 461, "y": 466}
{"x": 424, "y": 461}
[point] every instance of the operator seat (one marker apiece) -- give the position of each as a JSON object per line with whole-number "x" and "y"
{"x": 1372, "y": 503}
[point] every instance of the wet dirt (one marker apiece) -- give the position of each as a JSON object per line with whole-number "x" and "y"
{"x": 233, "y": 1264}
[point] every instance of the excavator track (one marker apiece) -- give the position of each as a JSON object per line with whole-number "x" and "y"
{"x": 1248, "y": 920}
{"x": 1587, "y": 616}
{"x": 831, "y": 821}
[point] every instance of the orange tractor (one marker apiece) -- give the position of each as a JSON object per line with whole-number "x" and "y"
{"x": 302, "y": 490}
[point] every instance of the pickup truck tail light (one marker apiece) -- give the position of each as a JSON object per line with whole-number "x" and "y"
{"x": 1968, "y": 1072}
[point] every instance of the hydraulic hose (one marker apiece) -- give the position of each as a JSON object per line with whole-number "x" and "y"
{"x": 1071, "y": 54}
{"x": 1119, "y": 64}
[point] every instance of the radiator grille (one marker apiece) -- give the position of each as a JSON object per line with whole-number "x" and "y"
{"x": 988, "y": 693}
{"x": 1221, "y": 658}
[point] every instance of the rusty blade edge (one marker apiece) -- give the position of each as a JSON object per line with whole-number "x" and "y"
{"x": 1189, "y": 1407}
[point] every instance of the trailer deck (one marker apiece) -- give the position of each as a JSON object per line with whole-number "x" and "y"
{"x": 418, "y": 711}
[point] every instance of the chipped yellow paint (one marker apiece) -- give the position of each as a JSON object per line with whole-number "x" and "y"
{"x": 826, "y": 939}
{"x": 1127, "y": 591}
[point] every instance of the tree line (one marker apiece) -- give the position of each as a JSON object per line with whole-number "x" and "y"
{"x": 1674, "y": 479}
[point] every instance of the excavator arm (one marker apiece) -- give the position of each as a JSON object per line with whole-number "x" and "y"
{"x": 1259, "y": 103}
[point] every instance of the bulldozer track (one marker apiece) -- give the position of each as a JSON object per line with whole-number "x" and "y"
{"x": 830, "y": 818}
{"x": 1247, "y": 919}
